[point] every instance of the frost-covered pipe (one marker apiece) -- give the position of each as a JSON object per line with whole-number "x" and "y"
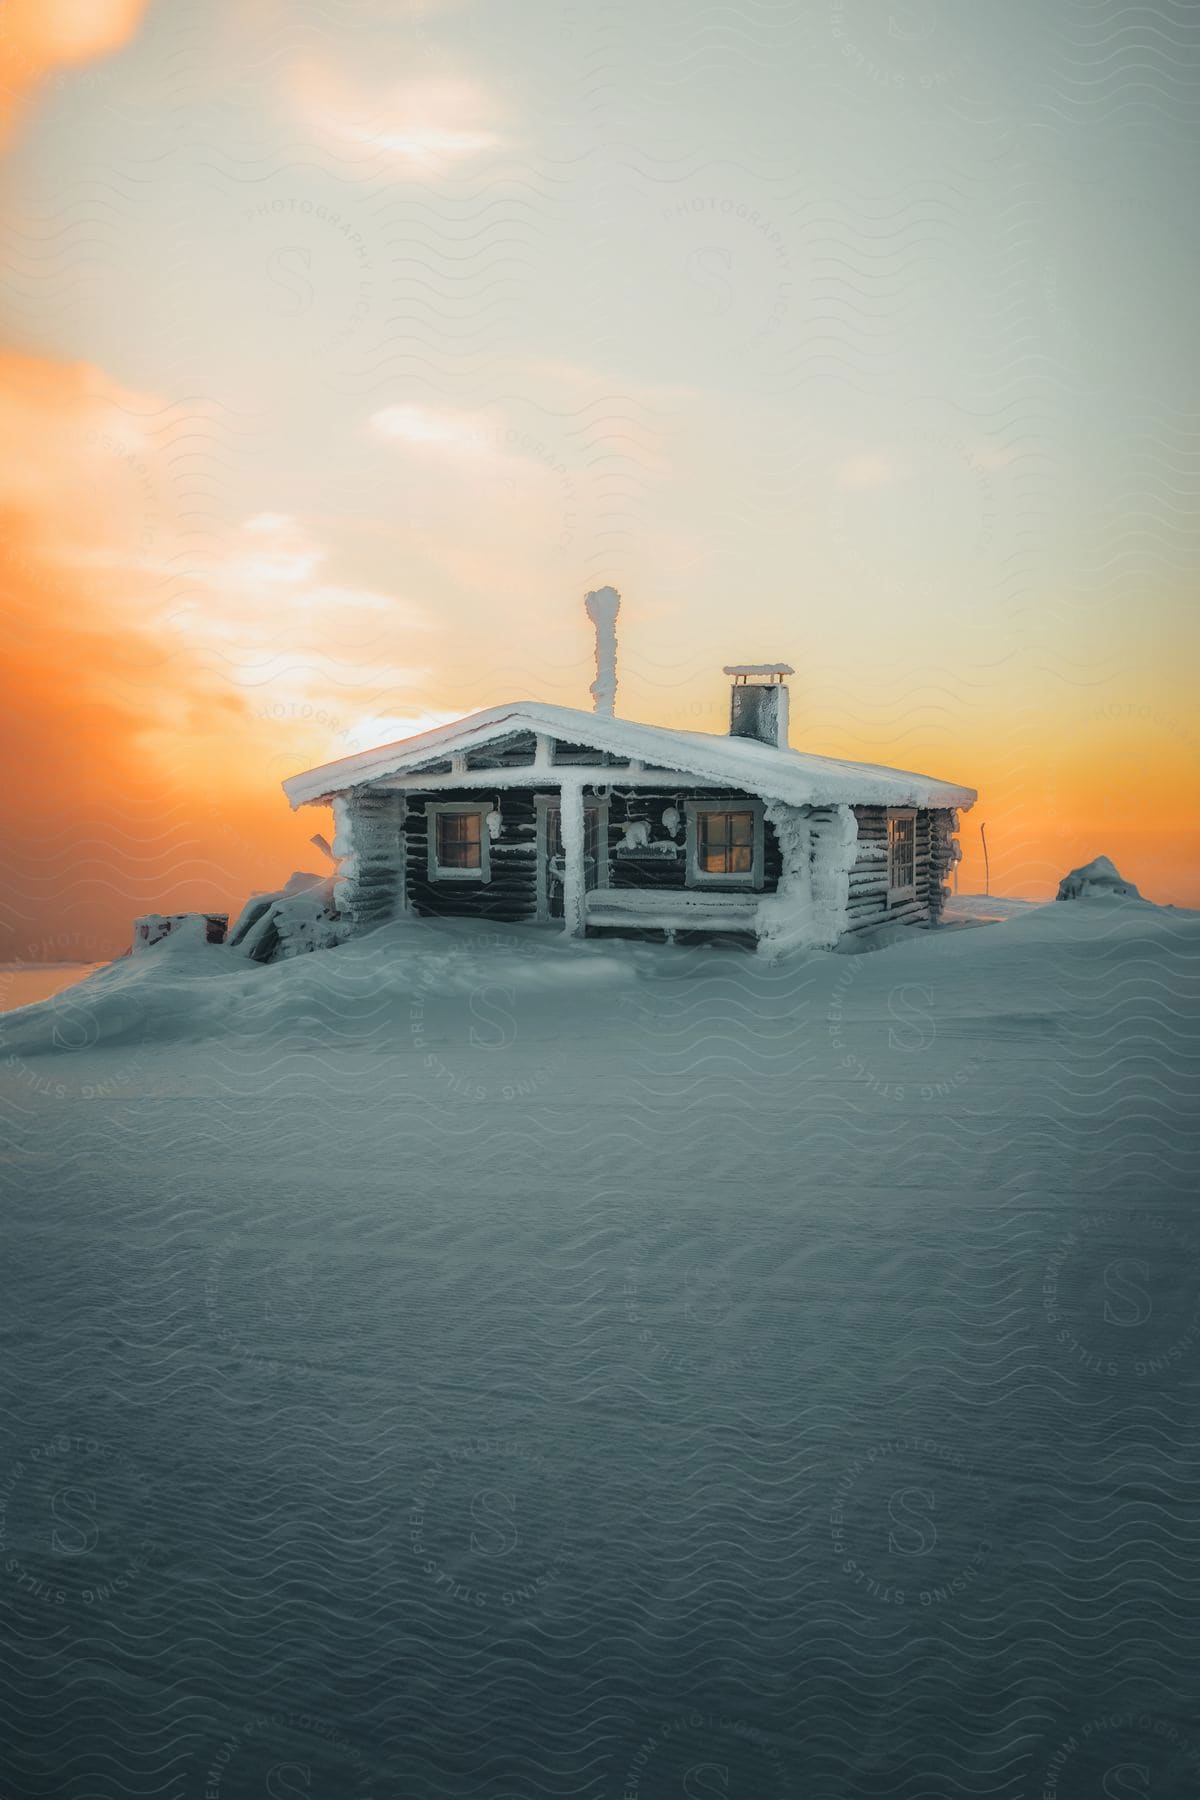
{"x": 603, "y": 605}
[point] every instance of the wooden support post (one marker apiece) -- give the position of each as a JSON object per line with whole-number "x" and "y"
{"x": 570, "y": 800}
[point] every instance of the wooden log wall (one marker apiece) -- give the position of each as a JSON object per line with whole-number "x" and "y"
{"x": 389, "y": 834}
{"x": 868, "y": 906}
{"x": 942, "y": 858}
{"x": 511, "y": 893}
{"x": 372, "y": 892}
{"x": 662, "y": 862}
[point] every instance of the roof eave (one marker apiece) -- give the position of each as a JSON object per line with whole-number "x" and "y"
{"x": 443, "y": 739}
{"x": 312, "y": 788}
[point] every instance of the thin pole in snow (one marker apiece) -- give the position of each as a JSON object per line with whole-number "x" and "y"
{"x": 987, "y": 873}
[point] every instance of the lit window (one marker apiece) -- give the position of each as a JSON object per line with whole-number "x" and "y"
{"x": 458, "y": 843}
{"x": 458, "y": 840}
{"x": 902, "y": 848}
{"x": 725, "y": 843}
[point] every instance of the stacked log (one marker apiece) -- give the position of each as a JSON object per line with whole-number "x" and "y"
{"x": 869, "y": 904}
{"x": 369, "y": 845}
{"x": 943, "y": 854}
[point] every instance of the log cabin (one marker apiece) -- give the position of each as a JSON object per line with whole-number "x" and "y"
{"x": 534, "y": 812}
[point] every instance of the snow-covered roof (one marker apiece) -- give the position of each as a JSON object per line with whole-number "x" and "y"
{"x": 791, "y": 776}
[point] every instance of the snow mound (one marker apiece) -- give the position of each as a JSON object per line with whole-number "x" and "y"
{"x": 296, "y": 918}
{"x": 1097, "y": 880}
{"x": 197, "y": 928}
{"x": 370, "y": 994}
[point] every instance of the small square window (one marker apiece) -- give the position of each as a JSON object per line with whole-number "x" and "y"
{"x": 457, "y": 843}
{"x": 725, "y": 845}
{"x": 459, "y": 837}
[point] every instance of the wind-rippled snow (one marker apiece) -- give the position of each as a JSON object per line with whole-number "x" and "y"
{"x": 640, "y": 1372}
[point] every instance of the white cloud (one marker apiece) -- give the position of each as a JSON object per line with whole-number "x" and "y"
{"x": 430, "y": 123}
{"x": 366, "y": 732}
{"x": 866, "y": 471}
{"x": 458, "y": 434}
{"x": 270, "y": 581}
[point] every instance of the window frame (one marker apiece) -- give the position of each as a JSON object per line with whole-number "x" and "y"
{"x": 434, "y": 810}
{"x": 695, "y": 876}
{"x": 905, "y": 890}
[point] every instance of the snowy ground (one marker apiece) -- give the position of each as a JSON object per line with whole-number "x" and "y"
{"x": 466, "y": 1364}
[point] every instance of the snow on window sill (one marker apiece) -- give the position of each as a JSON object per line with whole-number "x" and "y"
{"x": 701, "y": 878}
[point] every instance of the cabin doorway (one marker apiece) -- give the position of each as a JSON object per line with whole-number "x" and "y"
{"x": 551, "y": 858}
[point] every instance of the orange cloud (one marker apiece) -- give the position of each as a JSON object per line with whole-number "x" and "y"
{"x": 143, "y": 774}
{"x": 39, "y": 36}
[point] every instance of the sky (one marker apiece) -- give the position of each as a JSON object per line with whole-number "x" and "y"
{"x": 347, "y": 343}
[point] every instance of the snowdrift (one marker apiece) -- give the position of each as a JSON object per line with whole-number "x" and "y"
{"x": 402, "y": 985}
{"x": 421, "y": 985}
{"x": 1097, "y": 880}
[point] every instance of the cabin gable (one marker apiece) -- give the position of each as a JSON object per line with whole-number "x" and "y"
{"x": 507, "y": 751}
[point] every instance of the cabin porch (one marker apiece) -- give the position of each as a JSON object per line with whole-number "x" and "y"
{"x": 520, "y": 829}
{"x": 659, "y": 853}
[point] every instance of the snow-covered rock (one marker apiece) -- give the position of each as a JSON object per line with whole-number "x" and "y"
{"x": 299, "y": 917}
{"x": 1096, "y": 880}
{"x": 194, "y": 928}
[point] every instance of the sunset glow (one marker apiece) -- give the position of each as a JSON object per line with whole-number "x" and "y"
{"x": 335, "y": 378}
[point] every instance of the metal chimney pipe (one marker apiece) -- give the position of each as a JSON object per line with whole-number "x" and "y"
{"x": 603, "y": 605}
{"x": 758, "y": 702}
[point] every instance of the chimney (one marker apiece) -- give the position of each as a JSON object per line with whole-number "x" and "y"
{"x": 758, "y": 702}
{"x": 603, "y": 605}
